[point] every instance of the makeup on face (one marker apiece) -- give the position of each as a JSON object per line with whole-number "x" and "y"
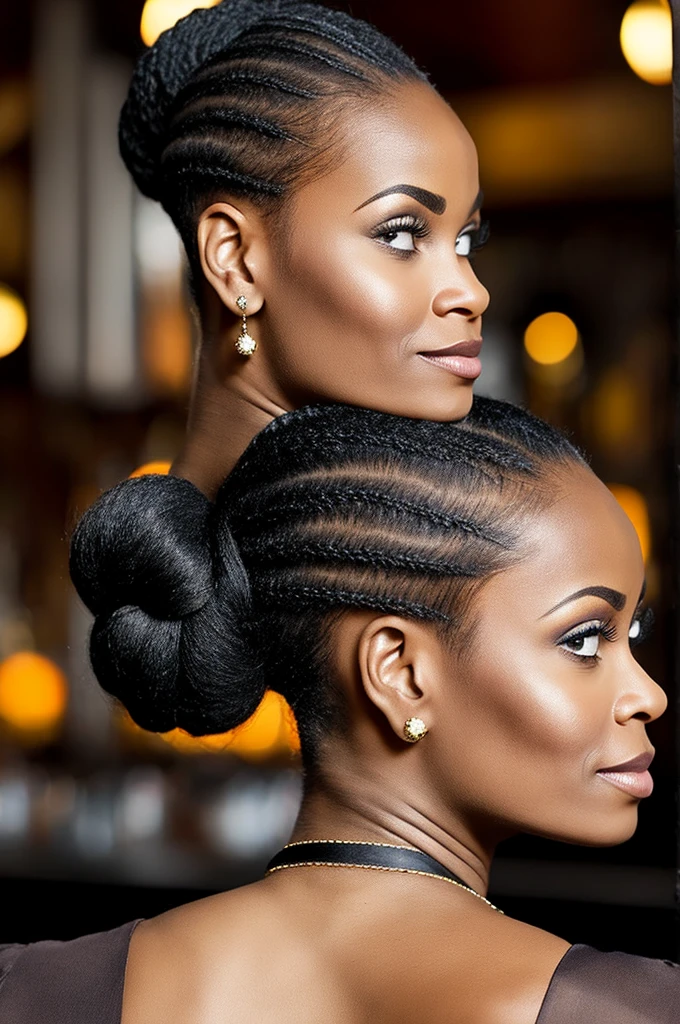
{"x": 632, "y": 776}
{"x": 461, "y": 358}
{"x": 548, "y": 722}
{"x": 374, "y": 300}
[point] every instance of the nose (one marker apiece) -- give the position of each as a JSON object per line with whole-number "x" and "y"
{"x": 464, "y": 294}
{"x": 643, "y": 699}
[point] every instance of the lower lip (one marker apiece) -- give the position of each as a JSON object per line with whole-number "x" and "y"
{"x": 469, "y": 367}
{"x": 638, "y": 784}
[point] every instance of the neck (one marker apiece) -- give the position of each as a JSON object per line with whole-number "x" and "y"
{"x": 228, "y": 410}
{"x": 370, "y": 812}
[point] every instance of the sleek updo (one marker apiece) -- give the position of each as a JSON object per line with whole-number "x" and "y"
{"x": 200, "y": 607}
{"x": 244, "y": 100}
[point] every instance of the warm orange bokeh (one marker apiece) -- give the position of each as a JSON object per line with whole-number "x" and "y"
{"x": 33, "y": 692}
{"x": 270, "y": 732}
{"x": 635, "y": 507}
{"x": 152, "y": 467}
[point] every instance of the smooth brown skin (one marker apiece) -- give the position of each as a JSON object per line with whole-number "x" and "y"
{"x": 339, "y": 315}
{"x": 519, "y": 723}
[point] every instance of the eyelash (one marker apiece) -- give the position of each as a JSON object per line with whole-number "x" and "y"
{"x": 608, "y": 631}
{"x": 419, "y": 228}
{"x": 479, "y": 237}
{"x": 416, "y": 226}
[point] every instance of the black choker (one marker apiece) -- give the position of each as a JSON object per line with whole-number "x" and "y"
{"x": 379, "y": 856}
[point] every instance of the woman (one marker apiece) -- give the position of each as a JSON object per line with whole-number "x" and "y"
{"x": 449, "y": 609}
{"x": 328, "y": 199}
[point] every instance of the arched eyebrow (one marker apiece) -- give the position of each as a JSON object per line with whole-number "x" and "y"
{"x": 431, "y": 200}
{"x": 613, "y": 597}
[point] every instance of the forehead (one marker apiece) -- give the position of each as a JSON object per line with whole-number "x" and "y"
{"x": 409, "y": 135}
{"x": 583, "y": 538}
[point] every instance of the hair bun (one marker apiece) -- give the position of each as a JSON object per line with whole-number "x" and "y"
{"x": 145, "y": 542}
{"x": 172, "y": 634}
{"x": 165, "y": 69}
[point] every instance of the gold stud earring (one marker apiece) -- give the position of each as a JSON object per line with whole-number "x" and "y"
{"x": 245, "y": 345}
{"x": 414, "y": 729}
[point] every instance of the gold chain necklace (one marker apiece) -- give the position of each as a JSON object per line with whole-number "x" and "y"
{"x": 273, "y": 866}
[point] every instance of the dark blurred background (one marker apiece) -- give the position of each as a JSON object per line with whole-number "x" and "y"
{"x": 100, "y": 822}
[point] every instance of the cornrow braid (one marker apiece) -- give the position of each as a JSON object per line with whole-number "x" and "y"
{"x": 233, "y": 100}
{"x": 274, "y": 590}
{"x": 331, "y": 496}
{"x": 277, "y": 550}
{"x": 201, "y": 606}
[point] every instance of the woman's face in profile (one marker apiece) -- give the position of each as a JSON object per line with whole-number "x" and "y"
{"x": 370, "y": 296}
{"x": 548, "y": 693}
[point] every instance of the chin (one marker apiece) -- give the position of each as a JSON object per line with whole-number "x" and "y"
{"x": 609, "y": 834}
{"x": 601, "y": 831}
{"x": 445, "y": 408}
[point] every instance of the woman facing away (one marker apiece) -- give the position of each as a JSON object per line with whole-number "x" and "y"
{"x": 449, "y": 609}
{"x": 328, "y": 200}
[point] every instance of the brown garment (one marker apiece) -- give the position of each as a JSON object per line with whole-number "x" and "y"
{"x": 81, "y": 982}
{"x": 77, "y": 982}
{"x": 590, "y": 987}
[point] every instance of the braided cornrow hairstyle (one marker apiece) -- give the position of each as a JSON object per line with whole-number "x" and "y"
{"x": 244, "y": 100}
{"x": 200, "y": 607}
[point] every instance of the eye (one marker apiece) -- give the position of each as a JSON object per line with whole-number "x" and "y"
{"x": 472, "y": 238}
{"x": 641, "y": 627}
{"x": 584, "y": 641}
{"x": 400, "y": 233}
{"x": 399, "y": 240}
{"x": 583, "y": 646}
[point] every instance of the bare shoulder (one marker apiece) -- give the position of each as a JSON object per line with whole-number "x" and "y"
{"x": 181, "y": 958}
{"x": 519, "y": 970}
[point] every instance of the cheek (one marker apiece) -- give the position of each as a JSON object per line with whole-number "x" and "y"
{"x": 368, "y": 294}
{"x": 534, "y": 726}
{"x": 343, "y": 321}
{"x": 346, "y": 289}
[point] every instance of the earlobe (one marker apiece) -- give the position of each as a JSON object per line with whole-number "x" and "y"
{"x": 226, "y": 237}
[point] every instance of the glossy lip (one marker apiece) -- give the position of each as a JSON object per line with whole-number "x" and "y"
{"x": 637, "y": 764}
{"x": 470, "y": 348}
{"x": 632, "y": 776}
{"x": 459, "y": 359}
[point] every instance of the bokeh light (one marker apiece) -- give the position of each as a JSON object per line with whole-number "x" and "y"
{"x": 159, "y": 15}
{"x": 33, "y": 692}
{"x": 270, "y": 732}
{"x": 647, "y": 40}
{"x": 635, "y": 507}
{"x": 550, "y": 338}
{"x": 151, "y": 467}
{"x": 13, "y": 321}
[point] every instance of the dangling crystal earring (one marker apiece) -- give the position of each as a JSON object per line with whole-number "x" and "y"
{"x": 414, "y": 729}
{"x": 245, "y": 345}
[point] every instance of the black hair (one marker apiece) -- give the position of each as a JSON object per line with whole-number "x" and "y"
{"x": 243, "y": 99}
{"x": 201, "y": 606}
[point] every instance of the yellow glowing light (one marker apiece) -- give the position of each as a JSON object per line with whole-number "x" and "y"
{"x": 635, "y": 507}
{"x": 267, "y": 731}
{"x": 13, "y": 321}
{"x": 159, "y": 15}
{"x": 550, "y": 338}
{"x": 647, "y": 41}
{"x": 152, "y": 467}
{"x": 33, "y": 692}
{"x": 618, "y": 409}
{"x": 166, "y": 344}
{"x": 270, "y": 732}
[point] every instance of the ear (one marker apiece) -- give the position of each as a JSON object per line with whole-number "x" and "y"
{"x": 395, "y": 665}
{"x": 228, "y": 245}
